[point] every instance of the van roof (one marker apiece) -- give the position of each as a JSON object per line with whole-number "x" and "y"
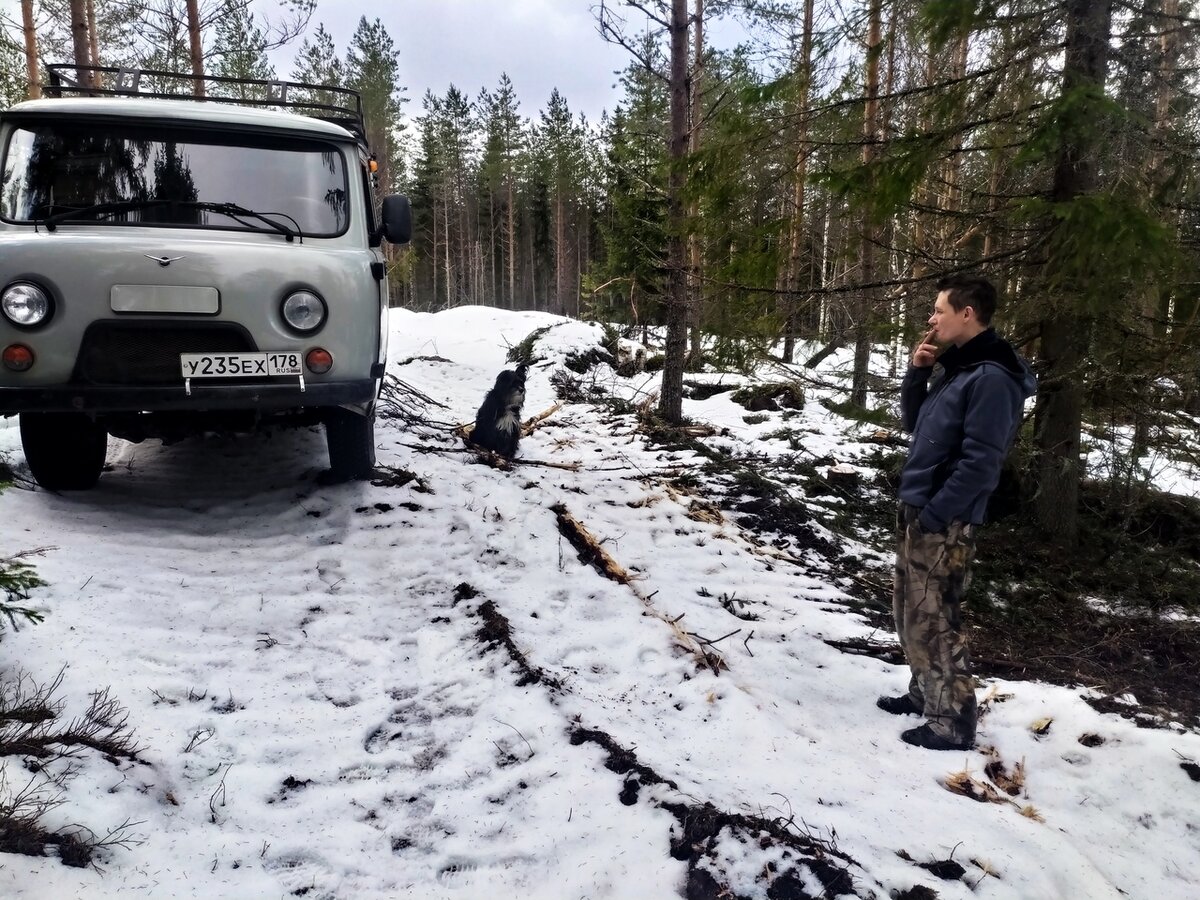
{"x": 203, "y": 112}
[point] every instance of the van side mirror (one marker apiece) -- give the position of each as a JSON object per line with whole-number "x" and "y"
{"x": 396, "y": 227}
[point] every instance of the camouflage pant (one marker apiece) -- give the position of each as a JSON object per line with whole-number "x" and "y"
{"x": 932, "y": 574}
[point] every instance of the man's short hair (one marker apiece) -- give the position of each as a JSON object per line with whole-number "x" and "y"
{"x": 973, "y": 291}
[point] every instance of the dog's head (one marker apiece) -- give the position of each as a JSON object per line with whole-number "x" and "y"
{"x": 510, "y": 384}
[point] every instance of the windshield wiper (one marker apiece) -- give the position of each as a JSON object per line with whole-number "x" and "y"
{"x": 232, "y": 210}
{"x": 98, "y": 209}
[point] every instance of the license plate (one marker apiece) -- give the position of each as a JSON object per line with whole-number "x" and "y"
{"x": 240, "y": 365}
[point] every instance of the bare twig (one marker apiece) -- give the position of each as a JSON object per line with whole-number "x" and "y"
{"x": 521, "y": 736}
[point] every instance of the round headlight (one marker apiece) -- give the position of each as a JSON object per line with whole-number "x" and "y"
{"x": 304, "y": 311}
{"x": 25, "y": 305}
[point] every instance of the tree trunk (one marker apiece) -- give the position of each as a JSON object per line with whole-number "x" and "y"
{"x": 559, "y": 254}
{"x": 93, "y": 40}
{"x": 920, "y": 240}
{"x": 696, "y": 109}
{"x": 1059, "y": 411}
{"x": 864, "y": 307}
{"x": 446, "y": 248}
{"x": 952, "y": 172}
{"x": 79, "y": 38}
{"x": 1154, "y": 298}
{"x": 196, "y": 46}
{"x": 494, "y": 283}
{"x": 675, "y": 351}
{"x": 796, "y": 242}
{"x": 434, "y": 258}
{"x": 512, "y": 249}
{"x": 34, "y": 86}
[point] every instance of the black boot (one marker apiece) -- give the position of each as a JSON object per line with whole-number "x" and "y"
{"x": 899, "y": 706}
{"x": 924, "y": 736}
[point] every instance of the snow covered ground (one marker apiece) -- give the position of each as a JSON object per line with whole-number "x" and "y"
{"x": 327, "y": 707}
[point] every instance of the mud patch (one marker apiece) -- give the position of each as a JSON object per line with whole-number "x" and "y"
{"x": 700, "y": 825}
{"x": 496, "y": 632}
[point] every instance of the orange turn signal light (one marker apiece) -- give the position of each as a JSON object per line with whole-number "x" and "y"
{"x": 318, "y": 361}
{"x": 372, "y": 166}
{"x": 18, "y": 358}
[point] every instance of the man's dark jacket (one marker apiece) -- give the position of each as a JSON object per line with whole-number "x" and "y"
{"x": 962, "y": 427}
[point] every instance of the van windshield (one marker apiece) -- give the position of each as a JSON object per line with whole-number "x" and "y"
{"x": 171, "y": 177}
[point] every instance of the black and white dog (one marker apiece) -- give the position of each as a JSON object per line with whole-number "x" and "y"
{"x": 498, "y": 422}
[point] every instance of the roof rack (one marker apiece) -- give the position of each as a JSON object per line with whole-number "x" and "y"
{"x": 339, "y": 105}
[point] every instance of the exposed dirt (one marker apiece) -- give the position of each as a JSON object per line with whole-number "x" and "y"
{"x": 496, "y": 632}
{"x": 1030, "y": 618}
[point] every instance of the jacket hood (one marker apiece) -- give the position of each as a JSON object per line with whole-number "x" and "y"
{"x": 989, "y": 347}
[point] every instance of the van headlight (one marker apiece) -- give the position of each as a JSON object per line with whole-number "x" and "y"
{"x": 304, "y": 311}
{"x": 26, "y": 305}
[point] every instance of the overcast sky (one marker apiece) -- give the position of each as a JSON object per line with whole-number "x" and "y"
{"x": 541, "y": 44}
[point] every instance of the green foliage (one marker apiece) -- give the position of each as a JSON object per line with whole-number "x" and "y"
{"x": 769, "y": 396}
{"x": 12, "y": 71}
{"x": 524, "y": 351}
{"x": 239, "y": 52}
{"x": 1081, "y": 114}
{"x": 1101, "y": 246}
{"x": 887, "y": 185}
{"x": 942, "y": 20}
{"x": 631, "y": 281}
{"x": 317, "y": 62}
{"x": 372, "y": 68}
{"x": 881, "y": 416}
{"x": 17, "y": 579}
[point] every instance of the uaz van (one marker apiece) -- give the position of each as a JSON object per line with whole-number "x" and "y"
{"x": 170, "y": 266}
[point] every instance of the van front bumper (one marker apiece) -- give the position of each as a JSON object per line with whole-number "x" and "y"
{"x": 267, "y": 397}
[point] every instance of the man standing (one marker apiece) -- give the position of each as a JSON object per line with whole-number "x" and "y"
{"x": 962, "y": 426}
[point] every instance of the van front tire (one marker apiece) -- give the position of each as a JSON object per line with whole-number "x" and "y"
{"x": 350, "y": 438}
{"x": 65, "y": 451}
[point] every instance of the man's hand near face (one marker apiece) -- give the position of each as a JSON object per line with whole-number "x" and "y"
{"x": 925, "y": 355}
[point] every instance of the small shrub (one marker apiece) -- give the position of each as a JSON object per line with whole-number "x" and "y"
{"x": 17, "y": 579}
{"x": 770, "y": 397}
{"x": 581, "y": 363}
{"x": 523, "y": 352}
{"x": 880, "y": 416}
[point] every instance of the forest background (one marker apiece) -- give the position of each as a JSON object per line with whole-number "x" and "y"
{"x": 803, "y": 190}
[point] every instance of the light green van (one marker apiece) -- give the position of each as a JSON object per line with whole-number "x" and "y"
{"x": 170, "y": 266}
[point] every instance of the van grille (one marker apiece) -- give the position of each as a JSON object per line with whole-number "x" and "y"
{"x": 126, "y": 353}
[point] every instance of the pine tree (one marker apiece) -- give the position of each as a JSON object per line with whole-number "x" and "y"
{"x": 317, "y": 62}
{"x": 561, "y": 139}
{"x": 634, "y": 222}
{"x": 500, "y": 171}
{"x": 238, "y": 51}
{"x": 13, "y": 88}
{"x": 372, "y": 68}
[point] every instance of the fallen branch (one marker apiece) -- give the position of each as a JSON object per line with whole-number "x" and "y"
{"x": 492, "y": 459}
{"x": 531, "y": 424}
{"x": 591, "y": 552}
{"x": 496, "y": 461}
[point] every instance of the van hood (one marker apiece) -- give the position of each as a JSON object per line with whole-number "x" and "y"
{"x": 82, "y": 267}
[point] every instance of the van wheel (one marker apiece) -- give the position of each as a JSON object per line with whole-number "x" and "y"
{"x": 351, "y": 441}
{"x": 65, "y": 451}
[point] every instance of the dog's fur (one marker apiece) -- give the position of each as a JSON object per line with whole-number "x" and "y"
{"x": 498, "y": 422}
